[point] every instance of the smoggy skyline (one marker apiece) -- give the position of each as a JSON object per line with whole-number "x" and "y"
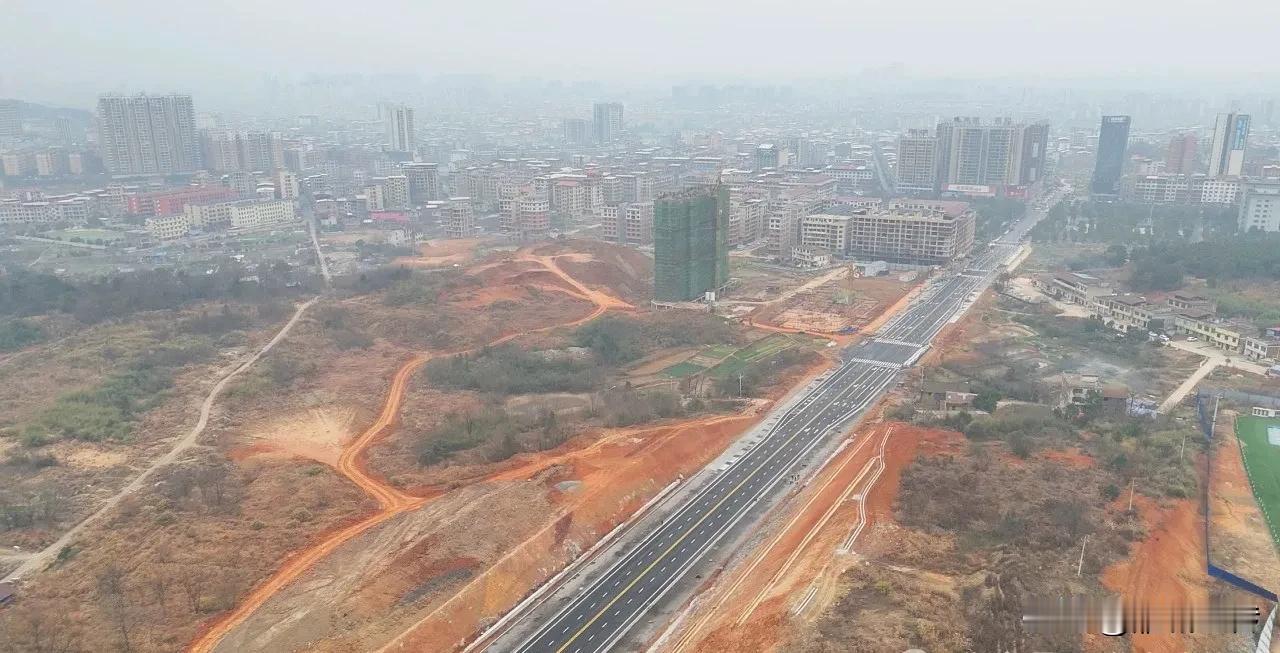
{"x": 71, "y": 51}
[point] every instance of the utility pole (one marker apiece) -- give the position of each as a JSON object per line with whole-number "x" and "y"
{"x": 739, "y": 385}
{"x": 1131, "y": 495}
{"x": 1080, "y": 565}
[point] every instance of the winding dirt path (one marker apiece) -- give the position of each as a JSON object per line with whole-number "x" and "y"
{"x": 42, "y": 558}
{"x": 351, "y": 464}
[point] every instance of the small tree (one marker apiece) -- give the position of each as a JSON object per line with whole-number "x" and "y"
{"x": 1117, "y": 255}
{"x": 987, "y": 400}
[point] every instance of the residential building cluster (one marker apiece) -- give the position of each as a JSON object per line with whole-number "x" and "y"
{"x": 968, "y": 156}
{"x": 1224, "y": 177}
{"x": 1181, "y": 313}
{"x": 247, "y": 214}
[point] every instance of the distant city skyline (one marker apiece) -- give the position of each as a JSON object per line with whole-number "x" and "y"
{"x": 69, "y": 51}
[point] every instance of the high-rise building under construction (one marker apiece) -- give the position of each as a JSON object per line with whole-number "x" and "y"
{"x": 690, "y": 246}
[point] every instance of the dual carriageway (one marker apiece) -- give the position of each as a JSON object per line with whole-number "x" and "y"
{"x": 608, "y": 607}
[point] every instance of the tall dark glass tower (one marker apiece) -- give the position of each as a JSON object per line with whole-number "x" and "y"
{"x": 1113, "y": 139}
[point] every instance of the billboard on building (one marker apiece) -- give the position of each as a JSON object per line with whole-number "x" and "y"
{"x": 973, "y": 190}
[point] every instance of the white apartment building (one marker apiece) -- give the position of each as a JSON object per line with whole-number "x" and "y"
{"x": 169, "y": 227}
{"x": 203, "y": 216}
{"x": 810, "y": 257}
{"x": 375, "y": 197}
{"x": 1162, "y": 189}
{"x": 398, "y": 123}
{"x": 424, "y": 182}
{"x": 570, "y": 198}
{"x": 826, "y": 232}
{"x": 912, "y": 233}
{"x": 395, "y": 191}
{"x": 147, "y": 135}
{"x": 1262, "y": 348}
{"x": 524, "y": 211}
{"x": 59, "y": 208}
{"x": 74, "y": 209}
{"x": 1260, "y": 207}
{"x": 851, "y": 177}
{"x": 240, "y": 214}
{"x": 917, "y": 168}
{"x": 287, "y": 185}
{"x": 747, "y": 218}
{"x": 630, "y": 223}
{"x": 248, "y": 214}
{"x": 460, "y": 220}
{"x": 1224, "y": 190}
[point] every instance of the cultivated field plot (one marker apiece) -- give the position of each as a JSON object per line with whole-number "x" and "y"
{"x": 681, "y": 370}
{"x": 720, "y": 361}
{"x": 1260, "y": 445}
{"x": 754, "y": 352}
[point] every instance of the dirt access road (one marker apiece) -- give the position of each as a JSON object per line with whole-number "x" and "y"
{"x": 769, "y": 574}
{"x": 41, "y": 559}
{"x": 351, "y": 463}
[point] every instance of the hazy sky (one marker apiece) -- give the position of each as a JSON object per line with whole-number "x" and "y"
{"x": 62, "y": 50}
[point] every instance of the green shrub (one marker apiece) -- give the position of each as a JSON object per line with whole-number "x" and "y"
{"x": 499, "y": 434}
{"x": 30, "y": 460}
{"x": 508, "y": 369}
{"x": 462, "y": 431}
{"x": 283, "y": 370}
{"x": 16, "y": 334}
{"x": 214, "y": 324}
{"x": 630, "y": 407}
{"x": 616, "y": 340}
{"x": 350, "y": 339}
{"x": 108, "y": 411}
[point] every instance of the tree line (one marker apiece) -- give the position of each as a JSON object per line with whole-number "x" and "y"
{"x": 1163, "y": 265}
{"x": 90, "y": 300}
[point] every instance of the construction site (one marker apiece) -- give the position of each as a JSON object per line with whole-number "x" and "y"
{"x": 409, "y": 461}
{"x": 839, "y": 301}
{"x": 374, "y": 523}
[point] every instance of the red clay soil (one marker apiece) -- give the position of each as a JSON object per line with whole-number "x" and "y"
{"x": 793, "y": 558}
{"x": 600, "y": 274}
{"x": 442, "y": 253}
{"x": 616, "y": 476}
{"x": 1166, "y": 568}
{"x": 954, "y": 341}
{"x": 909, "y": 441}
{"x": 1240, "y": 534}
{"x": 352, "y": 464}
{"x": 1071, "y": 458}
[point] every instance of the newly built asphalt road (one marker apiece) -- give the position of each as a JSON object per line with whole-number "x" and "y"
{"x": 606, "y": 609}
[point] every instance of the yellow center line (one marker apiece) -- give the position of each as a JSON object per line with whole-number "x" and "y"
{"x": 667, "y": 552}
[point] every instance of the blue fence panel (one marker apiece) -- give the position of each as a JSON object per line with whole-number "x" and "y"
{"x": 1230, "y": 578}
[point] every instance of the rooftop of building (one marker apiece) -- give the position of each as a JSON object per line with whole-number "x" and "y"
{"x": 690, "y": 193}
{"x": 1126, "y": 299}
{"x": 1115, "y": 391}
{"x": 1196, "y": 314}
